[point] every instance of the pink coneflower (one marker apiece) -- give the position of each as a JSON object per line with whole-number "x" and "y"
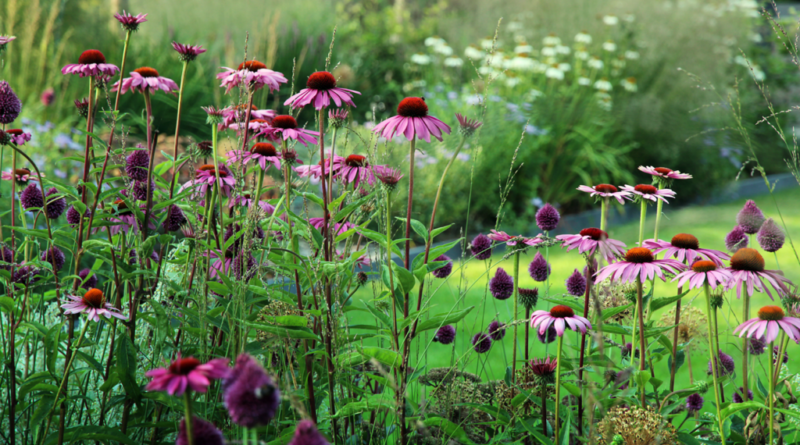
{"x": 188, "y": 52}
{"x": 82, "y": 105}
{"x": 338, "y": 117}
{"x": 48, "y": 97}
{"x": 544, "y": 370}
{"x": 704, "y": 271}
{"x": 21, "y": 175}
{"x": 130, "y": 22}
{"x": 321, "y": 89}
{"x": 262, "y": 153}
{"x": 606, "y": 191}
{"x": 665, "y": 173}
{"x": 14, "y": 136}
{"x": 592, "y": 239}
{"x": 770, "y": 320}
{"x": 389, "y": 177}
{"x": 91, "y": 63}
{"x": 503, "y": 237}
{"x": 649, "y": 192}
{"x": 125, "y": 220}
{"x": 214, "y": 115}
{"x": 246, "y": 200}
{"x": 315, "y": 170}
{"x": 253, "y": 74}
{"x": 561, "y": 317}
{"x": 238, "y": 114}
{"x": 412, "y": 120}
{"x": 4, "y": 40}
{"x": 255, "y": 126}
{"x": 93, "y": 304}
{"x": 206, "y": 175}
{"x": 228, "y": 262}
{"x": 640, "y": 264}
{"x": 186, "y": 373}
{"x": 356, "y": 169}
{"x": 467, "y": 126}
{"x": 337, "y": 228}
{"x": 146, "y": 79}
{"x": 286, "y": 126}
{"x": 685, "y": 248}
{"x": 747, "y": 267}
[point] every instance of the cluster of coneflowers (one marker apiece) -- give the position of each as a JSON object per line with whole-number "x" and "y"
{"x": 220, "y": 233}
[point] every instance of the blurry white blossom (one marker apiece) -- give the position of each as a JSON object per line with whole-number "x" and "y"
{"x": 629, "y": 84}
{"x": 554, "y": 73}
{"x": 487, "y": 43}
{"x": 523, "y": 48}
{"x": 549, "y": 51}
{"x": 603, "y": 85}
{"x": 435, "y": 41}
{"x": 585, "y": 81}
{"x": 421, "y": 59}
{"x": 595, "y": 63}
{"x": 632, "y": 55}
{"x": 583, "y": 37}
{"x": 551, "y": 40}
{"x": 473, "y": 52}
{"x": 609, "y": 46}
{"x": 453, "y": 62}
{"x": 444, "y": 50}
{"x": 610, "y": 20}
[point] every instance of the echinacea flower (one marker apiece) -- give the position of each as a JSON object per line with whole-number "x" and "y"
{"x": 356, "y": 169}
{"x": 125, "y": 219}
{"x": 685, "y": 248}
{"x": 10, "y": 105}
{"x": 639, "y": 264}
{"x": 576, "y": 284}
{"x": 444, "y": 271}
{"x": 664, "y": 173}
{"x": 316, "y": 170}
{"x": 337, "y": 228}
{"x": 5, "y": 40}
{"x": 467, "y": 126}
{"x": 481, "y": 342}
{"x": 592, "y": 239}
{"x": 445, "y": 335}
{"x": 130, "y": 22}
{"x": 306, "y": 433}
{"x": 286, "y": 126}
{"x": 547, "y": 218}
{"x": 750, "y": 217}
{"x": 736, "y": 239}
{"x": 146, "y": 79}
{"x": 93, "y": 304}
{"x": 252, "y": 74}
{"x": 247, "y": 200}
{"x": 54, "y": 256}
{"x": 501, "y": 285}
{"x": 481, "y": 247}
{"x": 412, "y": 121}
{"x": 770, "y": 321}
{"x": 694, "y": 402}
{"x": 320, "y": 90}
{"x": 497, "y": 330}
{"x": 251, "y": 396}
{"x": 544, "y": 371}
{"x": 503, "y": 237}
{"x": 47, "y": 97}
{"x": 528, "y": 297}
{"x": 724, "y": 366}
{"x": 539, "y": 269}
{"x": 389, "y": 177}
{"x": 263, "y": 154}
{"x": 561, "y": 317}
{"x": 186, "y": 373}
{"x": 747, "y": 267}
{"x": 14, "y": 136}
{"x": 703, "y": 271}
{"x": 649, "y": 192}
{"x": 770, "y": 236}
{"x": 188, "y": 52}
{"x": 206, "y": 176}
{"x": 91, "y": 63}
{"x": 238, "y": 114}
{"x": 338, "y": 117}
{"x": 606, "y": 191}
{"x": 203, "y": 432}
{"x": 82, "y": 105}
{"x": 21, "y": 175}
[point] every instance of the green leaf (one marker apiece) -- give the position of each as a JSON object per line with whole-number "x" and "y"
{"x": 376, "y": 402}
{"x": 610, "y": 312}
{"x": 736, "y": 407}
{"x": 284, "y": 332}
{"x": 449, "y": 428}
{"x": 688, "y": 439}
{"x": 437, "y": 321}
{"x": 383, "y": 356}
{"x": 126, "y": 365}
{"x": 658, "y": 303}
{"x": 439, "y": 230}
{"x": 91, "y": 433}
{"x": 571, "y": 302}
{"x": 7, "y": 304}
{"x": 418, "y": 227}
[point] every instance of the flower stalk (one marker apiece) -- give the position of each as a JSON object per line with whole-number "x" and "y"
{"x": 712, "y": 346}
{"x": 558, "y": 387}
{"x": 177, "y": 130}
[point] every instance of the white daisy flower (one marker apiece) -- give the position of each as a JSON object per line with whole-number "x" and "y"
{"x": 584, "y": 81}
{"x": 629, "y": 84}
{"x": 421, "y": 59}
{"x": 435, "y": 41}
{"x": 611, "y": 20}
{"x": 523, "y": 48}
{"x": 549, "y": 51}
{"x": 603, "y": 85}
{"x": 632, "y": 55}
{"x": 453, "y": 62}
{"x": 595, "y": 63}
{"x": 444, "y": 50}
{"x": 609, "y": 46}
{"x": 551, "y": 40}
{"x": 487, "y": 44}
{"x": 473, "y": 52}
{"x": 583, "y": 37}
{"x": 561, "y": 49}
{"x": 554, "y": 73}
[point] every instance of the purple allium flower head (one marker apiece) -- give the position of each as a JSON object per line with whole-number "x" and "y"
{"x": 136, "y": 165}
{"x": 539, "y": 269}
{"x": 576, "y": 284}
{"x": 547, "y": 218}
{"x": 736, "y": 239}
{"x": 725, "y": 365}
{"x": 549, "y": 336}
{"x": 90, "y": 282}
{"x": 25, "y": 275}
{"x": 445, "y": 335}
{"x": 481, "y": 247}
{"x": 188, "y": 52}
{"x": 627, "y": 348}
{"x": 203, "y": 433}
{"x": 750, "y": 217}
{"x": 10, "y": 106}
{"x": 444, "y": 271}
{"x": 694, "y": 403}
{"x": 306, "y": 433}
{"x": 481, "y": 342}
{"x": 54, "y": 256}
{"x": 251, "y": 396}
{"x": 497, "y": 330}
{"x": 234, "y": 229}
{"x": 528, "y": 297}
{"x": 737, "y": 395}
{"x": 55, "y": 206}
{"x": 130, "y": 22}
{"x": 770, "y": 236}
{"x": 74, "y": 217}
{"x": 31, "y": 197}
{"x": 238, "y": 265}
{"x": 756, "y": 346}
{"x": 776, "y": 351}
{"x": 175, "y": 219}
{"x": 140, "y": 190}
{"x": 6, "y": 256}
{"x": 501, "y": 285}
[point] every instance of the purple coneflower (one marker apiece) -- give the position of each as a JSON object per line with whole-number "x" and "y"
{"x": 703, "y": 271}
{"x": 146, "y": 79}
{"x": 503, "y": 237}
{"x": 445, "y": 335}
{"x": 93, "y": 304}
{"x": 206, "y": 176}
{"x": 547, "y": 218}
{"x": 188, "y": 52}
{"x": 246, "y": 200}
{"x": 91, "y": 63}
{"x": 88, "y": 278}
{"x": 203, "y": 433}
{"x": 544, "y": 370}
{"x": 770, "y": 236}
{"x": 54, "y": 256}
{"x": 736, "y": 239}
{"x": 694, "y": 402}
{"x": 338, "y": 117}
{"x": 750, "y": 217}
{"x": 238, "y": 114}
{"x": 126, "y": 219}
{"x": 649, "y": 192}
{"x": 747, "y": 267}
{"x": 528, "y": 297}
{"x": 412, "y": 120}
{"x": 481, "y": 342}
{"x": 186, "y": 373}
{"x": 664, "y": 173}
{"x": 31, "y": 197}
{"x": 5, "y": 40}
{"x": 593, "y": 239}
{"x": 481, "y": 247}
{"x": 444, "y": 271}
{"x": 770, "y": 321}
{"x": 14, "y": 136}
{"x": 501, "y": 285}
{"x": 306, "y": 433}
{"x": 252, "y": 74}
{"x": 389, "y": 177}
{"x": 606, "y": 191}
{"x": 315, "y": 170}
{"x": 21, "y": 175}
{"x": 467, "y": 126}
{"x": 252, "y": 398}
{"x": 685, "y": 247}
{"x": 55, "y": 205}
{"x": 576, "y": 284}
{"x": 497, "y": 330}
{"x": 321, "y": 89}
{"x": 639, "y": 264}
{"x": 286, "y": 126}
{"x": 10, "y": 105}
{"x": 175, "y": 219}
{"x": 356, "y": 169}
{"x": 47, "y": 97}
{"x": 561, "y": 317}
{"x": 737, "y": 395}
{"x": 136, "y": 165}
{"x": 337, "y": 228}
{"x": 539, "y": 269}
{"x": 130, "y": 22}
{"x": 82, "y": 105}
{"x": 725, "y": 365}
{"x": 263, "y": 154}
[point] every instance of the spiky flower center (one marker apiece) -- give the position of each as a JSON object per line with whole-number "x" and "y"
{"x": 771, "y": 313}
{"x": 91, "y": 56}
{"x": 413, "y": 107}
{"x": 22, "y": 172}
{"x": 594, "y": 233}
{"x": 704, "y": 266}
{"x": 562, "y": 311}
{"x": 252, "y": 65}
{"x": 663, "y": 170}
{"x": 356, "y": 161}
{"x": 259, "y": 121}
{"x": 14, "y": 131}
{"x": 146, "y": 71}
{"x": 747, "y": 259}
{"x": 606, "y": 188}
{"x": 284, "y": 121}
{"x": 685, "y": 241}
{"x": 205, "y": 145}
{"x": 94, "y": 299}
{"x": 542, "y": 367}
{"x": 264, "y": 149}
{"x": 183, "y": 366}
{"x": 210, "y": 168}
{"x": 321, "y": 80}
{"x": 122, "y": 208}
{"x": 639, "y": 255}
{"x": 646, "y": 189}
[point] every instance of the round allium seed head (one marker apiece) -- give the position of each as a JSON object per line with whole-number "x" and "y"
{"x": 501, "y": 285}
{"x": 203, "y": 432}
{"x": 576, "y": 284}
{"x": 55, "y": 205}
{"x": 528, "y": 297}
{"x": 175, "y": 219}
{"x": 770, "y": 236}
{"x": 549, "y": 336}
{"x": 756, "y": 346}
{"x": 737, "y": 395}
{"x": 136, "y": 165}
{"x": 31, "y": 197}
{"x": 82, "y": 105}
{"x": 444, "y": 271}
{"x": 88, "y": 283}
{"x": 445, "y": 335}
{"x": 725, "y": 365}
{"x": 539, "y": 269}
{"x": 140, "y": 190}
{"x": 750, "y": 217}
{"x": 54, "y": 256}
{"x": 25, "y": 275}
{"x": 497, "y": 330}
{"x": 413, "y": 107}
{"x": 736, "y": 239}
{"x": 6, "y": 256}
{"x": 481, "y": 247}
{"x": 306, "y": 433}
{"x": 74, "y": 217}
{"x": 251, "y": 396}
{"x": 694, "y": 403}
{"x": 10, "y": 106}
{"x": 547, "y": 218}
{"x": 776, "y": 351}
{"x": 481, "y": 342}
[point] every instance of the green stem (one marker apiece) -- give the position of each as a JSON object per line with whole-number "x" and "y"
{"x": 714, "y": 362}
{"x": 604, "y": 214}
{"x": 516, "y": 316}
{"x": 640, "y": 318}
{"x": 642, "y": 218}
{"x": 771, "y": 394}
{"x": 390, "y": 265}
{"x": 177, "y": 131}
{"x": 558, "y": 385}
{"x": 783, "y": 342}
{"x": 214, "y": 139}
{"x": 187, "y": 407}
{"x": 745, "y": 344}
{"x": 658, "y": 218}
